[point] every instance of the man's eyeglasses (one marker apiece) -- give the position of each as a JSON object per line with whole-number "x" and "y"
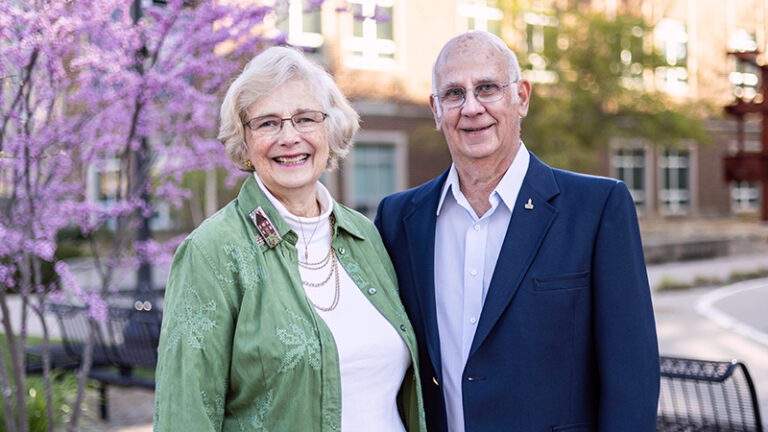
{"x": 485, "y": 93}
{"x": 306, "y": 121}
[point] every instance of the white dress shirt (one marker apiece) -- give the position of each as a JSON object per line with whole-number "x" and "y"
{"x": 466, "y": 250}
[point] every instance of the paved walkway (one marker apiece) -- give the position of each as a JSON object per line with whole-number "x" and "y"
{"x": 707, "y": 322}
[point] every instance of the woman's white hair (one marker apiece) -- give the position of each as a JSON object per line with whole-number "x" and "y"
{"x": 262, "y": 75}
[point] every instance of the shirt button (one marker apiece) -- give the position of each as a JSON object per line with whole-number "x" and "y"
{"x": 342, "y": 250}
{"x": 477, "y": 227}
{"x": 473, "y": 272}
{"x": 473, "y": 320}
{"x": 402, "y": 327}
{"x": 372, "y": 291}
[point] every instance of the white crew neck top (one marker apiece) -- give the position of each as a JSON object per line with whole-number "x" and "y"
{"x": 373, "y": 358}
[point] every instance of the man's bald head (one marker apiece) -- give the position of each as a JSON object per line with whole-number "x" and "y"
{"x": 468, "y": 42}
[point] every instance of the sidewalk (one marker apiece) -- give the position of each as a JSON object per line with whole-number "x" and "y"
{"x": 682, "y": 331}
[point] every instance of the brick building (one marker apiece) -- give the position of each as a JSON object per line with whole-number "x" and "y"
{"x": 384, "y": 66}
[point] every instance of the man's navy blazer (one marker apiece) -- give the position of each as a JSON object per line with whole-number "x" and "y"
{"x": 566, "y": 340}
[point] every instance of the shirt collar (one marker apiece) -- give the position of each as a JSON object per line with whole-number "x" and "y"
{"x": 323, "y": 197}
{"x": 508, "y": 187}
{"x": 253, "y": 194}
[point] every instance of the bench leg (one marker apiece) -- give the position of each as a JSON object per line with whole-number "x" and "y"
{"x": 103, "y": 402}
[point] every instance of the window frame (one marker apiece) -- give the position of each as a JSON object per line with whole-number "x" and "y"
{"x": 640, "y": 193}
{"x": 669, "y": 202}
{"x": 399, "y": 142}
{"x": 369, "y": 51}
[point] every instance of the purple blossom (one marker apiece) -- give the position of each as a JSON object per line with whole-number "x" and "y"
{"x": 97, "y": 307}
{"x": 67, "y": 279}
{"x": 74, "y": 103}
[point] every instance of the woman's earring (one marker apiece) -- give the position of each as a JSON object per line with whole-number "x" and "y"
{"x": 330, "y": 155}
{"x": 249, "y": 164}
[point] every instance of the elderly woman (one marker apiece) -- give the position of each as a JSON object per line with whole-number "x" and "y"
{"x": 281, "y": 310}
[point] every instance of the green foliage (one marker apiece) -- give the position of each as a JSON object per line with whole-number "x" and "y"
{"x": 63, "y": 389}
{"x": 592, "y": 73}
{"x": 670, "y": 284}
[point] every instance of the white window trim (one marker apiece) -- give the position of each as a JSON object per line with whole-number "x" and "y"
{"x": 539, "y": 74}
{"x": 635, "y": 144}
{"x": 481, "y": 14}
{"x": 369, "y": 44}
{"x": 740, "y": 197}
{"x": 665, "y": 209}
{"x": 672, "y": 78}
{"x": 398, "y": 139}
{"x": 296, "y": 34}
{"x": 161, "y": 220}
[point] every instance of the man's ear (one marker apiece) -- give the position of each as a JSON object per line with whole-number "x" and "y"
{"x": 435, "y": 110}
{"x": 523, "y": 96}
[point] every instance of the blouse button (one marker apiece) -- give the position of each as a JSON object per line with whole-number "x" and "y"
{"x": 342, "y": 250}
{"x": 372, "y": 291}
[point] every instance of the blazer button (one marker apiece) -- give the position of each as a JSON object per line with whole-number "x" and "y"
{"x": 434, "y": 380}
{"x": 372, "y": 291}
{"x": 402, "y": 327}
{"x": 342, "y": 250}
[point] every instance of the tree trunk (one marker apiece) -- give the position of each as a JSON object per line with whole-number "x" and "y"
{"x": 46, "y": 367}
{"x": 17, "y": 370}
{"x": 82, "y": 376}
{"x": 10, "y": 423}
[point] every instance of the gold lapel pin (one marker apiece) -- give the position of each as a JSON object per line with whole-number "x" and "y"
{"x": 529, "y": 205}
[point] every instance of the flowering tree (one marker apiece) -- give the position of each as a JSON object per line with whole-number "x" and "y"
{"x": 85, "y": 83}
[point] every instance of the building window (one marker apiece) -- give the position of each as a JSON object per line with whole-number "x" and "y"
{"x": 541, "y": 36}
{"x": 744, "y": 76}
{"x": 675, "y": 194}
{"x": 672, "y": 41}
{"x": 745, "y": 196}
{"x": 374, "y": 169}
{"x": 106, "y": 184}
{"x": 374, "y": 175}
{"x": 482, "y": 15}
{"x": 302, "y": 23}
{"x": 372, "y": 43}
{"x": 629, "y": 166}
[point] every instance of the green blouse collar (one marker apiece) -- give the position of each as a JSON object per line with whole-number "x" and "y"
{"x": 251, "y": 197}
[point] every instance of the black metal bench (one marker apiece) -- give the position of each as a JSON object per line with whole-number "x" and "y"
{"x": 125, "y": 341}
{"x": 704, "y": 396}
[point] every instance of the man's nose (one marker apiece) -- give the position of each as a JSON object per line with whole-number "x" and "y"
{"x": 472, "y": 105}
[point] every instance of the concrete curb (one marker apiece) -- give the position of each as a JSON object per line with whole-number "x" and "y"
{"x": 706, "y": 307}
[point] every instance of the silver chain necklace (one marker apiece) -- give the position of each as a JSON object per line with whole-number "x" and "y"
{"x": 304, "y": 237}
{"x": 319, "y": 265}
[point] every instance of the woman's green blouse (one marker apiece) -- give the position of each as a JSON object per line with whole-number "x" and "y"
{"x": 242, "y": 348}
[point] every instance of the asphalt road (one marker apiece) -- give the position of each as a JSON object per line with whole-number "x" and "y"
{"x": 718, "y": 323}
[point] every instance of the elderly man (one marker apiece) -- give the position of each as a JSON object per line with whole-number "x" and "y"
{"x": 526, "y": 285}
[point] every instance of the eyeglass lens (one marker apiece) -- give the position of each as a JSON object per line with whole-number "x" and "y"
{"x": 302, "y": 122}
{"x": 486, "y": 92}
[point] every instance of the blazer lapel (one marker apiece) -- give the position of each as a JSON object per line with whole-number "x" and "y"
{"x": 420, "y": 232}
{"x": 525, "y": 233}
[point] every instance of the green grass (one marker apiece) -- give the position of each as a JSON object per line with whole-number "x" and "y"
{"x": 670, "y": 284}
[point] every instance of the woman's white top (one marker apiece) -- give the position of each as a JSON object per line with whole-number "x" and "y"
{"x": 373, "y": 358}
